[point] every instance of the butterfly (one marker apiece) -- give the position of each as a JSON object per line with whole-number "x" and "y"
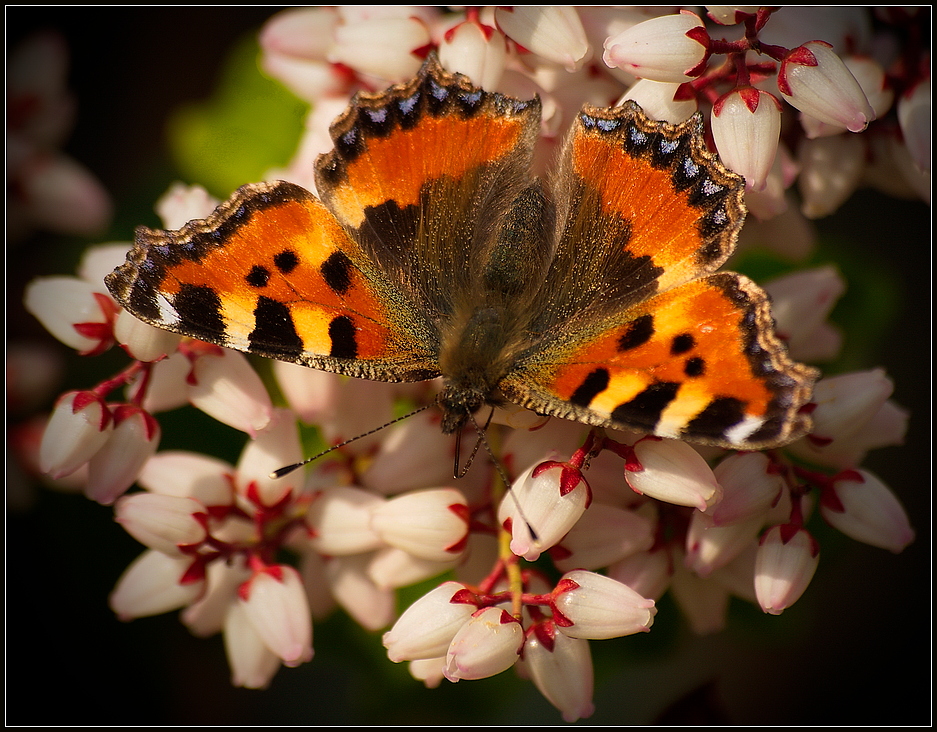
{"x": 432, "y": 250}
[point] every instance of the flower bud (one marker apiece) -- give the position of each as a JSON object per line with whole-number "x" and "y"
{"x": 710, "y": 547}
{"x": 380, "y": 46}
{"x": 830, "y": 171}
{"x": 784, "y": 565}
{"x": 746, "y": 126}
{"x": 72, "y": 310}
{"x": 914, "y": 117}
{"x": 340, "y": 518}
{"x": 484, "y": 646}
{"x": 801, "y": 303}
{"x": 370, "y": 606}
{"x": 228, "y": 389}
{"x": 275, "y": 603}
{"x": 749, "y": 487}
{"x": 561, "y": 668}
{"x": 141, "y": 340}
{"x": 151, "y": 586}
{"x": 672, "y": 471}
{"x": 163, "y": 523}
{"x": 864, "y": 508}
{"x": 253, "y": 665}
{"x": 273, "y": 447}
{"x": 604, "y": 535}
{"x": 78, "y": 428}
{"x": 430, "y": 524}
{"x": 543, "y": 498}
{"x": 596, "y": 606}
{"x": 816, "y": 81}
{"x": 478, "y": 51}
{"x": 552, "y": 32}
{"x": 670, "y": 48}
{"x": 427, "y": 627}
{"x": 115, "y": 467}
{"x": 657, "y": 99}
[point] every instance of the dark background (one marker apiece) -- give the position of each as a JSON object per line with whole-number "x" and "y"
{"x": 855, "y": 650}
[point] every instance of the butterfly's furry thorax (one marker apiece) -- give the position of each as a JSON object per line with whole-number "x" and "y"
{"x": 433, "y": 250}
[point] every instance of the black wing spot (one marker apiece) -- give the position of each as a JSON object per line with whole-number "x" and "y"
{"x": 639, "y": 332}
{"x": 344, "y": 338}
{"x": 286, "y": 261}
{"x": 199, "y": 309}
{"x": 645, "y": 409}
{"x": 258, "y": 276}
{"x": 274, "y": 333}
{"x": 694, "y": 367}
{"x": 593, "y": 385}
{"x": 719, "y": 416}
{"x": 681, "y": 344}
{"x": 336, "y": 271}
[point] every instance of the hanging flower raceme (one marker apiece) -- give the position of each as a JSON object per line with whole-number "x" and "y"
{"x": 621, "y": 517}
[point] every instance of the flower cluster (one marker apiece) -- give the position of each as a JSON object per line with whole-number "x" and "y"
{"x": 594, "y": 526}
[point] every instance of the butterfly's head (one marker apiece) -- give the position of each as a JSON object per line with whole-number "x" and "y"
{"x": 457, "y": 403}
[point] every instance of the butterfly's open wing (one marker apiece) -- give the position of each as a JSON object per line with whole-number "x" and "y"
{"x": 272, "y": 272}
{"x": 636, "y": 332}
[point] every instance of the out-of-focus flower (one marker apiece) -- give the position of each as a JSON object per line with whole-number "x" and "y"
{"x": 786, "y": 561}
{"x": 561, "y": 668}
{"x": 49, "y": 189}
{"x": 816, "y": 81}
{"x": 864, "y": 508}
{"x": 671, "y": 48}
{"x": 914, "y": 116}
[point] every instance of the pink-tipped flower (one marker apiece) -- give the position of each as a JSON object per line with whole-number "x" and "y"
{"x": 226, "y": 387}
{"x": 549, "y": 498}
{"x": 115, "y": 467}
{"x": 672, "y": 471}
{"x": 552, "y": 32}
{"x": 750, "y": 486}
{"x": 657, "y": 99}
{"x": 181, "y": 204}
{"x": 392, "y": 568}
{"x": 79, "y": 427}
{"x": 369, "y": 605}
{"x": 703, "y": 602}
{"x": 274, "y": 601}
{"x": 151, "y": 585}
{"x": 830, "y": 171}
{"x": 914, "y": 117}
{"x": 730, "y": 14}
{"x": 671, "y": 48}
{"x": 274, "y": 447}
{"x": 163, "y": 523}
{"x": 602, "y": 536}
{"x": 647, "y": 573}
{"x": 845, "y": 404}
{"x": 427, "y": 627}
{"x": 253, "y": 664}
{"x": 595, "y": 606}
{"x": 74, "y": 311}
{"x": 561, "y": 668}
{"x": 141, "y": 340}
{"x": 816, "y": 81}
{"x": 478, "y": 51}
{"x": 864, "y": 508}
{"x": 786, "y": 561}
{"x": 382, "y": 47}
{"x": 487, "y": 644}
{"x": 710, "y": 547}
{"x": 189, "y": 475}
{"x": 294, "y": 43}
{"x": 430, "y": 524}
{"x": 340, "y": 518}
{"x": 801, "y": 302}
{"x": 746, "y": 126}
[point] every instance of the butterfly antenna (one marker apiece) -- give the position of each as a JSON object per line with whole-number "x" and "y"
{"x": 287, "y": 469}
{"x": 457, "y": 470}
{"x": 483, "y": 440}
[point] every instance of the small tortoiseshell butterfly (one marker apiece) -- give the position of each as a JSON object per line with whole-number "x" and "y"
{"x": 434, "y": 251}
